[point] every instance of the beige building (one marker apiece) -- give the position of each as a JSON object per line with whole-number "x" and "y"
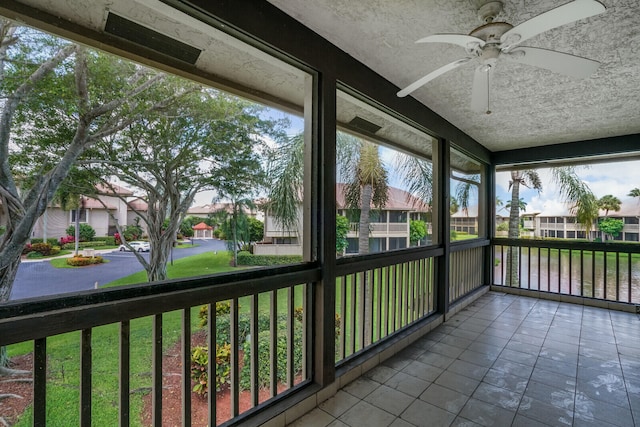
{"x": 100, "y": 212}
{"x": 389, "y": 227}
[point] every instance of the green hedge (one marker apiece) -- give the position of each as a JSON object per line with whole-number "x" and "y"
{"x": 108, "y": 240}
{"x": 51, "y": 240}
{"x": 246, "y": 258}
{"x": 83, "y": 245}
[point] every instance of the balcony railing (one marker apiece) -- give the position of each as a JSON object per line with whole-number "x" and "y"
{"x": 380, "y": 295}
{"x": 603, "y": 271}
{"x": 261, "y": 332}
{"x": 466, "y": 268}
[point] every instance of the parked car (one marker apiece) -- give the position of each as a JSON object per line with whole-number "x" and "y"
{"x": 137, "y": 246}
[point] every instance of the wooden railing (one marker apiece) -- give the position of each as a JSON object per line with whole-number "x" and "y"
{"x": 262, "y": 315}
{"x": 262, "y": 323}
{"x": 604, "y": 271}
{"x": 466, "y": 268}
{"x": 379, "y": 295}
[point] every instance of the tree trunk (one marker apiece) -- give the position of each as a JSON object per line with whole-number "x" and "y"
{"x": 514, "y": 230}
{"x": 363, "y": 230}
{"x": 363, "y": 248}
{"x": 7, "y": 275}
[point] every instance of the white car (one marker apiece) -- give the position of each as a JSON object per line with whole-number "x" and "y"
{"x": 137, "y": 246}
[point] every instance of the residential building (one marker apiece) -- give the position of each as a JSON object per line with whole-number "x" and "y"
{"x": 561, "y": 223}
{"x": 389, "y": 226}
{"x": 112, "y": 204}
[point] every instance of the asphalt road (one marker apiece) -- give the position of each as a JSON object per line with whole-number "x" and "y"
{"x": 36, "y": 279}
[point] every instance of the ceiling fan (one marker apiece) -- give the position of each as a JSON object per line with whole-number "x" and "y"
{"x": 494, "y": 40}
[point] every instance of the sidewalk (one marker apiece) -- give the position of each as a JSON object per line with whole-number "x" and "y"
{"x": 96, "y": 251}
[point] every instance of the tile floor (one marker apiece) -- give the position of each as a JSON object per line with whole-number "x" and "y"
{"x": 503, "y": 361}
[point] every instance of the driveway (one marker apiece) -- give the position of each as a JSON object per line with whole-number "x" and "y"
{"x": 36, "y": 279}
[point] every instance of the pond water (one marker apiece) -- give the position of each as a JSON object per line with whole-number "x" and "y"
{"x": 615, "y": 277}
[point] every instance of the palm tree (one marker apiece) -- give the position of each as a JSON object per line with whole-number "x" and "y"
{"x": 367, "y": 187}
{"x": 577, "y": 193}
{"x": 634, "y": 193}
{"x": 522, "y": 205}
{"x": 359, "y": 166}
{"x": 609, "y": 203}
{"x": 528, "y": 178}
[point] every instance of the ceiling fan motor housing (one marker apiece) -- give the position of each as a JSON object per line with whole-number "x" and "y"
{"x": 487, "y": 10}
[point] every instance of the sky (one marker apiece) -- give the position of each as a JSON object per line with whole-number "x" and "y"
{"x": 615, "y": 178}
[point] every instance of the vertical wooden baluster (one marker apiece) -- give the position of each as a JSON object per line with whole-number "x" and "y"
{"x": 593, "y": 273}
{"x": 604, "y": 276}
{"x": 629, "y": 277}
{"x": 125, "y": 372}
{"x": 235, "y": 365}
{"x": 617, "y": 276}
{"x": 343, "y": 316}
{"x": 273, "y": 347}
{"x": 255, "y": 339}
{"x": 581, "y": 272}
{"x": 186, "y": 366}
{"x": 290, "y": 335}
{"x": 156, "y": 400}
{"x": 85, "y": 378}
{"x": 378, "y": 299}
{"x": 211, "y": 368}
{"x": 353, "y": 312}
{"x": 40, "y": 382}
{"x": 548, "y": 269}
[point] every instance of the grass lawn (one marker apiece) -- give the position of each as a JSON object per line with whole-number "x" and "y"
{"x": 63, "y": 351}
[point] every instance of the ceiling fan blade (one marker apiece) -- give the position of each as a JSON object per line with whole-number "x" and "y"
{"x": 558, "y": 62}
{"x": 565, "y": 14}
{"x": 480, "y": 89}
{"x": 432, "y": 75}
{"x": 468, "y": 42}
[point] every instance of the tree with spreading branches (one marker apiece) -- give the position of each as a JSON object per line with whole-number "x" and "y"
{"x": 59, "y": 99}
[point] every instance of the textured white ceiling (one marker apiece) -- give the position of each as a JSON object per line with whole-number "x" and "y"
{"x": 530, "y": 106}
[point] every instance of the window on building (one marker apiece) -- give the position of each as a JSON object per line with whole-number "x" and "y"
{"x": 631, "y": 237}
{"x": 378, "y": 216}
{"x": 397, "y": 243}
{"x": 378, "y": 244}
{"x": 398, "y": 216}
{"x": 83, "y": 215}
{"x": 631, "y": 220}
{"x": 352, "y": 247}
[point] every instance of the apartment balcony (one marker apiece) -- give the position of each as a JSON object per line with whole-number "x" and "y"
{"x": 403, "y": 349}
{"x": 483, "y": 331}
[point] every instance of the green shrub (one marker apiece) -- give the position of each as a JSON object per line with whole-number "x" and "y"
{"x": 223, "y": 337}
{"x": 87, "y": 233}
{"x": 264, "y": 358}
{"x": 222, "y": 308}
{"x": 34, "y": 255}
{"x": 199, "y": 373}
{"x": 43, "y": 248}
{"x": 51, "y": 240}
{"x": 108, "y": 240}
{"x": 246, "y": 258}
{"x": 82, "y": 245}
{"x": 81, "y": 261}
